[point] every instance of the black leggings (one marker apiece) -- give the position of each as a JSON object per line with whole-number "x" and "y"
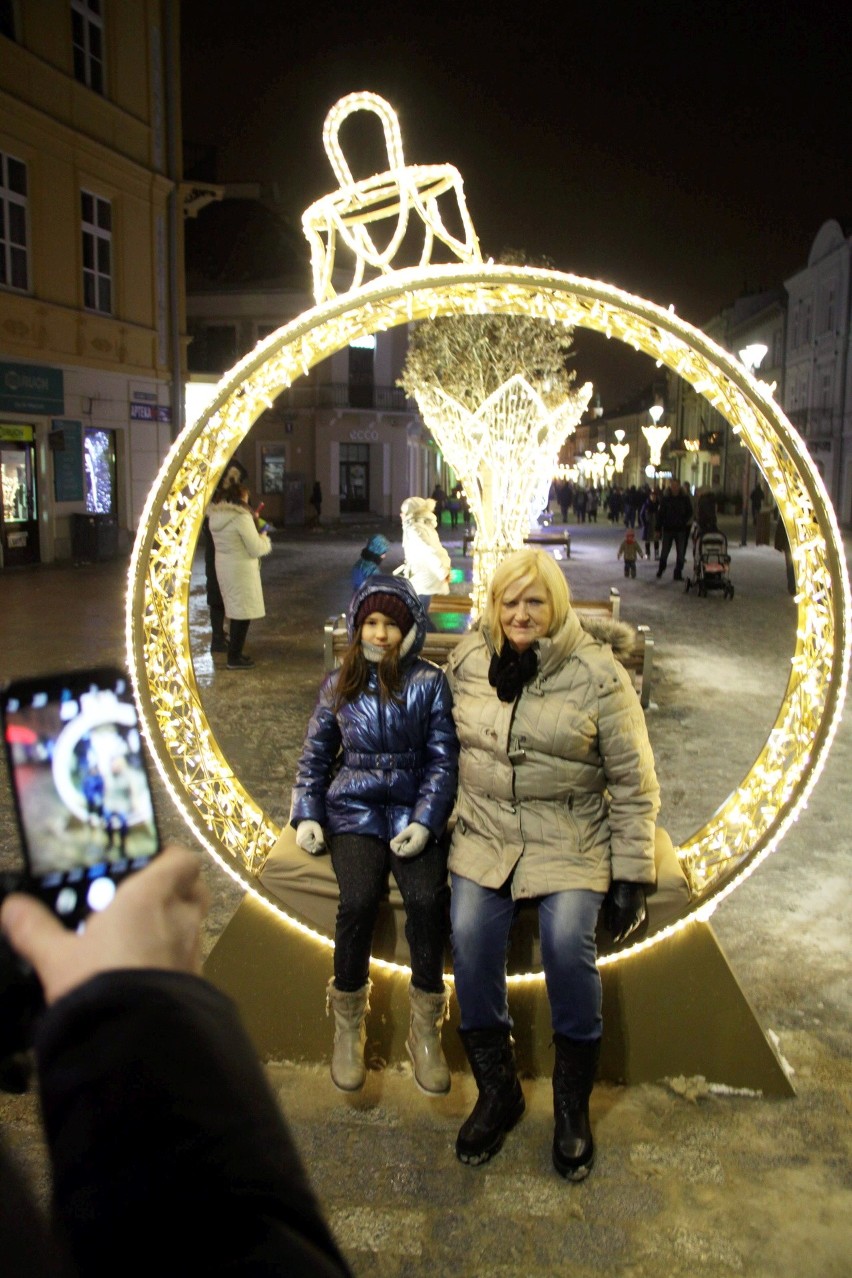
{"x": 361, "y": 864}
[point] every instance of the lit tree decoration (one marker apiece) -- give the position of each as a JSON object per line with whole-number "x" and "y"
{"x": 496, "y": 396}
{"x": 751, "y": 822}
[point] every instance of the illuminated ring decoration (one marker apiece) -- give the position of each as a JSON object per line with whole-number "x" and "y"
{"x": 228, "y": 822}
{"x": 106, "y": 713}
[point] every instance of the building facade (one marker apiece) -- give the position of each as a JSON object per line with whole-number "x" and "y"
{"x": 92, "y": 343}
{"x": 818, "y": 369}
{"x": 345, "y": 424}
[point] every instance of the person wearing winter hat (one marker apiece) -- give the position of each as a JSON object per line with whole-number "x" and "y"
{"x": 385, "y": 716}
{"x": 631, "y": 551}
{"x": 370, "y": 559}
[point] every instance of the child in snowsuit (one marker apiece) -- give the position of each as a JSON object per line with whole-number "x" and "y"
{"x": 631, "y": 551}
{"x": 369, "y": 561}
{"x": 377, "y": 780}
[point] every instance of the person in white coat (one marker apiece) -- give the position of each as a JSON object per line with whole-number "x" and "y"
{"x": 427, "y": 564}
{"x": 240, "y": 546}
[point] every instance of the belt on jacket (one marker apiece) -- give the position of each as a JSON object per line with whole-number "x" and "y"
{"x": 384, "y": 762}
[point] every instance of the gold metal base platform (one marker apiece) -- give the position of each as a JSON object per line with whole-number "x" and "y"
{"x": 675, "y": 1009}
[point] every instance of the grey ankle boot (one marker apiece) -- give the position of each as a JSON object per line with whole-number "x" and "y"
{"x": 428, "y": 1012}
{"x": 348, "y": 1070}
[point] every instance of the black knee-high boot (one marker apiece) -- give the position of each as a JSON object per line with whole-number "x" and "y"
{"x": 500, "y": 1103}
{"x": 573, "y": 1079}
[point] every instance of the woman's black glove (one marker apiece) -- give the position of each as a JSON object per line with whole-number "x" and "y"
{"x": 624, "y": 909}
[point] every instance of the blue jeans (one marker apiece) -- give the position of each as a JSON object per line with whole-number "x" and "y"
{"x": 481, "y": 919}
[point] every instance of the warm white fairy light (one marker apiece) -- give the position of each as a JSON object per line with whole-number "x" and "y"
{"x": 345, "y": 216}
{"x": 503, "y": 453}
{"x": 227, "y": 820}
{"x": 619, "y": 451}
{"x": 656, "y": 435}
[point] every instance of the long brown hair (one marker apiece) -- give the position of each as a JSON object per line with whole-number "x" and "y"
{"x": 355, "y": 673}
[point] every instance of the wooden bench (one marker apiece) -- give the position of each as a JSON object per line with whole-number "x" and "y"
{"x": 439, "y": 643}
{"x": 544, "y": 538}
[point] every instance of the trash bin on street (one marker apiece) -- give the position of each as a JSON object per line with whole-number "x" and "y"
{"x": 762, "y": 536}
{"x": 93, "y": 538}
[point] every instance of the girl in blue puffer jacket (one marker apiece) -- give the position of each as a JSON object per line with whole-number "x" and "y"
{"x": 377, "y": 781}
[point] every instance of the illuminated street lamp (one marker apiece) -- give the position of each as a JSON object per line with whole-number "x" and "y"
{"x": 619, "y": 451}
{"x": 752, "y": 356}
{"x": 656, "y": 436}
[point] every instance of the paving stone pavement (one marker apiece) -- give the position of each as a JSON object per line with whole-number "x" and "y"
{"x": 689, "y": 1180}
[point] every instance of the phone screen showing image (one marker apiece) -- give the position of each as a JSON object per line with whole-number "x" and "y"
{"x": 80, "y": 785}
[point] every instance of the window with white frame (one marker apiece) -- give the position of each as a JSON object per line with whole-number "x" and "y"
{"x": 96, "y": 225}
{"x": 829, "y": 308}
{"x": 14, "y": 254}
{"x": 806, "y": 334}
{"x": 825, "y": 388}
{"x": 87, "y": 38}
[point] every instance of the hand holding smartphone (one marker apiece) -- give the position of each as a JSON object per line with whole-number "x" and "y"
{"x": 80, "y": 787}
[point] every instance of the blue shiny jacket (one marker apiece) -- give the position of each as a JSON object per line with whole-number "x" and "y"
{"x": 396, "y": 762}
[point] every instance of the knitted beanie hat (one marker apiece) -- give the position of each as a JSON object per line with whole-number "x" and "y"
{"x": 391, "y": 605}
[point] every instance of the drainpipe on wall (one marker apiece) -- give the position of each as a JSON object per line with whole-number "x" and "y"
{"x": 174, "y": 171}
{"x": 844, "y": 517}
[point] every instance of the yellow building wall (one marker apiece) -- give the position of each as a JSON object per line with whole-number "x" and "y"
{"x": 72, "y": 139}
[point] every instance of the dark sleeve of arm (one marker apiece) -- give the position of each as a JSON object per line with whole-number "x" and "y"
{"x": 440, "y": 777}
{"x": 322, "y": 743}
{"x": 167, "y": 1144}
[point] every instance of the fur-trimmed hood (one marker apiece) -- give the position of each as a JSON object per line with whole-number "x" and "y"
{"x": 379, "y": 583}
{"x": 620, "y": 635}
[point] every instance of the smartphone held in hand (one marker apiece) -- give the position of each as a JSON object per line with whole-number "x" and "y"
{"x": 80, "y": 786}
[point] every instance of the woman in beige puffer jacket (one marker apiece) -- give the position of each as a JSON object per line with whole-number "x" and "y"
{"x": 557, "y": 803}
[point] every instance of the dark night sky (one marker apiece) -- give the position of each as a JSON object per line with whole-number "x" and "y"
{"x": 686, "y": 154}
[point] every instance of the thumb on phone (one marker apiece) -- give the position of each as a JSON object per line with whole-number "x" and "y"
{"x": 31, "y": 930}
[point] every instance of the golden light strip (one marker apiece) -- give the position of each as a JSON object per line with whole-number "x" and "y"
{"x": 751, "y": 822}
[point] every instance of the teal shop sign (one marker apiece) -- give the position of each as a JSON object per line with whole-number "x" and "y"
{"x": 31, "y": 388}
{"x": 67, "y": 459}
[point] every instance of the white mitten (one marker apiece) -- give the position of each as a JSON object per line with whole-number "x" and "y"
{"x": 412, "y": 840}
{"x": 310, "y": 837}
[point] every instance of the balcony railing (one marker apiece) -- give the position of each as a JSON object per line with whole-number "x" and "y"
{"x": 385, "y": 399}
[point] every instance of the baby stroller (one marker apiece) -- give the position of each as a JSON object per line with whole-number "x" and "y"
{"x": 711, "y": 563}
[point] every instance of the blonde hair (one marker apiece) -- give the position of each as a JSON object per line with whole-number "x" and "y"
{"x": 526, "y": 567}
